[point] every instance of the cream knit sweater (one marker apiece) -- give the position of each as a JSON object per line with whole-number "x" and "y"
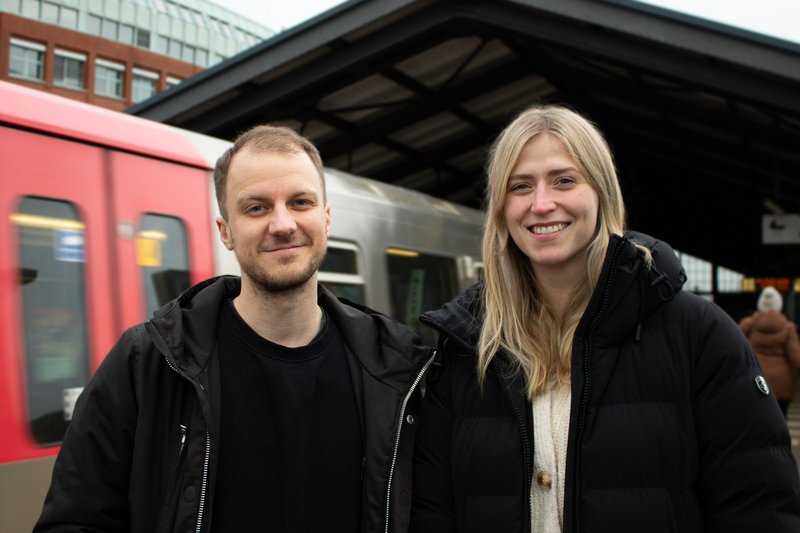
{"x": 551, "y": 429}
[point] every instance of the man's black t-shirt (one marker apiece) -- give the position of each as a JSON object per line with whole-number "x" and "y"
{"x": 290, "y": 439}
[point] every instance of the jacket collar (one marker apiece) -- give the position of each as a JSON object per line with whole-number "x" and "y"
{"x": 187, "y": 328}
{"x": 627, "y": 293}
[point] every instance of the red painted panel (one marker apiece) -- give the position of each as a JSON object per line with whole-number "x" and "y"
{"x": 143, "y": 186}
{"x": 34, "y": 165}
{"x": 46, "y": 112}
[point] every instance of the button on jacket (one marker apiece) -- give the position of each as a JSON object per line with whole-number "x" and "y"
{"x": 140, "y": 454}
{"x": 669, "y": 431}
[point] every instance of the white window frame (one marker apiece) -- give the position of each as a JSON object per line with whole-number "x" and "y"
{"x": 36, "y": 47}
{"x": 118, "y": 67}
{"x": 74, "y": 56}
{"x": 146, "y": 74}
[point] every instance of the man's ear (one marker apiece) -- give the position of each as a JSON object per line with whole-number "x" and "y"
{"x": 328, "y": 220}
{"x": 225, "y": 234}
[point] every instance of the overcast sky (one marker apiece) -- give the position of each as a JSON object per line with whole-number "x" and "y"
{"x": 779, "y": 18}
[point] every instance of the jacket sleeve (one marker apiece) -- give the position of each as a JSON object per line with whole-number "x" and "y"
{"x": 432, "y": 508}
{"x": 792, "y": 345}
{"x": 89, "y": 488}
{"x": 748, "y": 477}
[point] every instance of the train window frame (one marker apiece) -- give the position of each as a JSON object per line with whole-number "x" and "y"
{"x": 355, "y": 279}
{"x": 401, "y": 308}
{"x": 172, "y": 281}
{"x": 59, "y": 336}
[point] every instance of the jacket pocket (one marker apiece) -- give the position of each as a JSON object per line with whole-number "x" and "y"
{"x": 166, "y": 516}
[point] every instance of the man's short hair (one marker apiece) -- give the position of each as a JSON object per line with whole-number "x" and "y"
{"x": 264, "y": 138}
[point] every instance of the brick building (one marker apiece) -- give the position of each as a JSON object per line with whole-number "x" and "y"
{"x": 115, "y": 53}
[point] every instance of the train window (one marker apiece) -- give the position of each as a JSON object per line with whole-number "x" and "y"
{"x": 419, "y": 282}
{"x": 52, "y": 284}
{"x": 162, "y": 253}
{"x": 341, "y": 272}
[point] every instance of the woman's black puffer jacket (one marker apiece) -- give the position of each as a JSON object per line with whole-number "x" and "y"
{"x": 669, "y": 430}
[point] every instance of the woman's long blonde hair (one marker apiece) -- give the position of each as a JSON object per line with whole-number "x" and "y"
{"x": 515, "y": 318}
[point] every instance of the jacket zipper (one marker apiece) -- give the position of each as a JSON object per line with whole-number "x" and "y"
{"x": 397, "y": 435}
{"x": 204, "y": 484}
{"x": 587, "y": 379}
{"x": 527, "y": 449}
{"x": 206, "y": 460}
{"x": 181, "y": 444}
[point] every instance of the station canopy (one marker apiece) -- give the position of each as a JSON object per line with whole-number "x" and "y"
{"x": 704, "y": 119}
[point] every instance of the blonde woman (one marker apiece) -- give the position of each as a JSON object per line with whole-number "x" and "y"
{"x": 580, "y": 390}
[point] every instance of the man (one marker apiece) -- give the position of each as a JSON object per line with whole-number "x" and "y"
{"x": 253, "y": 404}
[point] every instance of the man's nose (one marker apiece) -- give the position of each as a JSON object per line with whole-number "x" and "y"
{"x": 282, "y": 222}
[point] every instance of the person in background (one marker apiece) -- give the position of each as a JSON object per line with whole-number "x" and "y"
{"x": 579, "y": 388}
{"x": 260, "y": 403}
{"x": 774, "y": 339}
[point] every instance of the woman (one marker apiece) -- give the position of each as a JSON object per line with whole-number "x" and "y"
{"x": 774, "y": 340}
{"x": 580, "y": 389}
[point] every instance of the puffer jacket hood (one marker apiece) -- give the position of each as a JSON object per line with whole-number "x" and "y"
{"x": 623, "y": 306}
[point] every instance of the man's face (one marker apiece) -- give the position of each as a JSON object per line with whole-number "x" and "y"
{"x": 278, "y": 224}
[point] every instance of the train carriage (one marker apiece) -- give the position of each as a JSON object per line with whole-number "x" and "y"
{"x": 105, "y": 217}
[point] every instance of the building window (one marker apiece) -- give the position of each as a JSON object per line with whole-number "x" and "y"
{"x": 142, "y": 38}
{"x": 68, "y": 17}
{"x": 11, "y": 6}
{"x": 26, "y": 60}
{"x": 729, "y": 280}
{"x": 109, "y": 29}
{"x": 69, "y": 69}
{"x": 126, "y": 34}
{"x": 49, "y": 13}
{"x": 175, "y": 49}
{"x": 144, "y": 85}
{"x": 93, "y": 24}
{"x": 201, "y": 57}
{"x": 172, "y": 82}
{"x": 188, "y": 53}
{"x": 108, "y": 78}
{"x": 30, "y": 8}
{"x": 162, "y": 45}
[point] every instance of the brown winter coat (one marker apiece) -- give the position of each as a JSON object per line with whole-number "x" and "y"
{"x": 774, "y": 339}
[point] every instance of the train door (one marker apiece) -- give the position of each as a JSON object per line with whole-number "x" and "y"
{"x": 164, "y": 232}
{"x": 56, "y": 312}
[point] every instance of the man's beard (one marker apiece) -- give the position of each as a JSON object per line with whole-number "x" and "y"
{"x": 274, "y": 282}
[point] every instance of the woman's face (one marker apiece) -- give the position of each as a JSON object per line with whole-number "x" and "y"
{"x": 550, "y": 208}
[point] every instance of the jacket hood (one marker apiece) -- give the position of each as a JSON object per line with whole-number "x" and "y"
{"x": 185, "y": 330}
{"x": 627, "y": 293}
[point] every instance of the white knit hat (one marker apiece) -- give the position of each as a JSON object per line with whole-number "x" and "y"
{"x": 770, "y": 300}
